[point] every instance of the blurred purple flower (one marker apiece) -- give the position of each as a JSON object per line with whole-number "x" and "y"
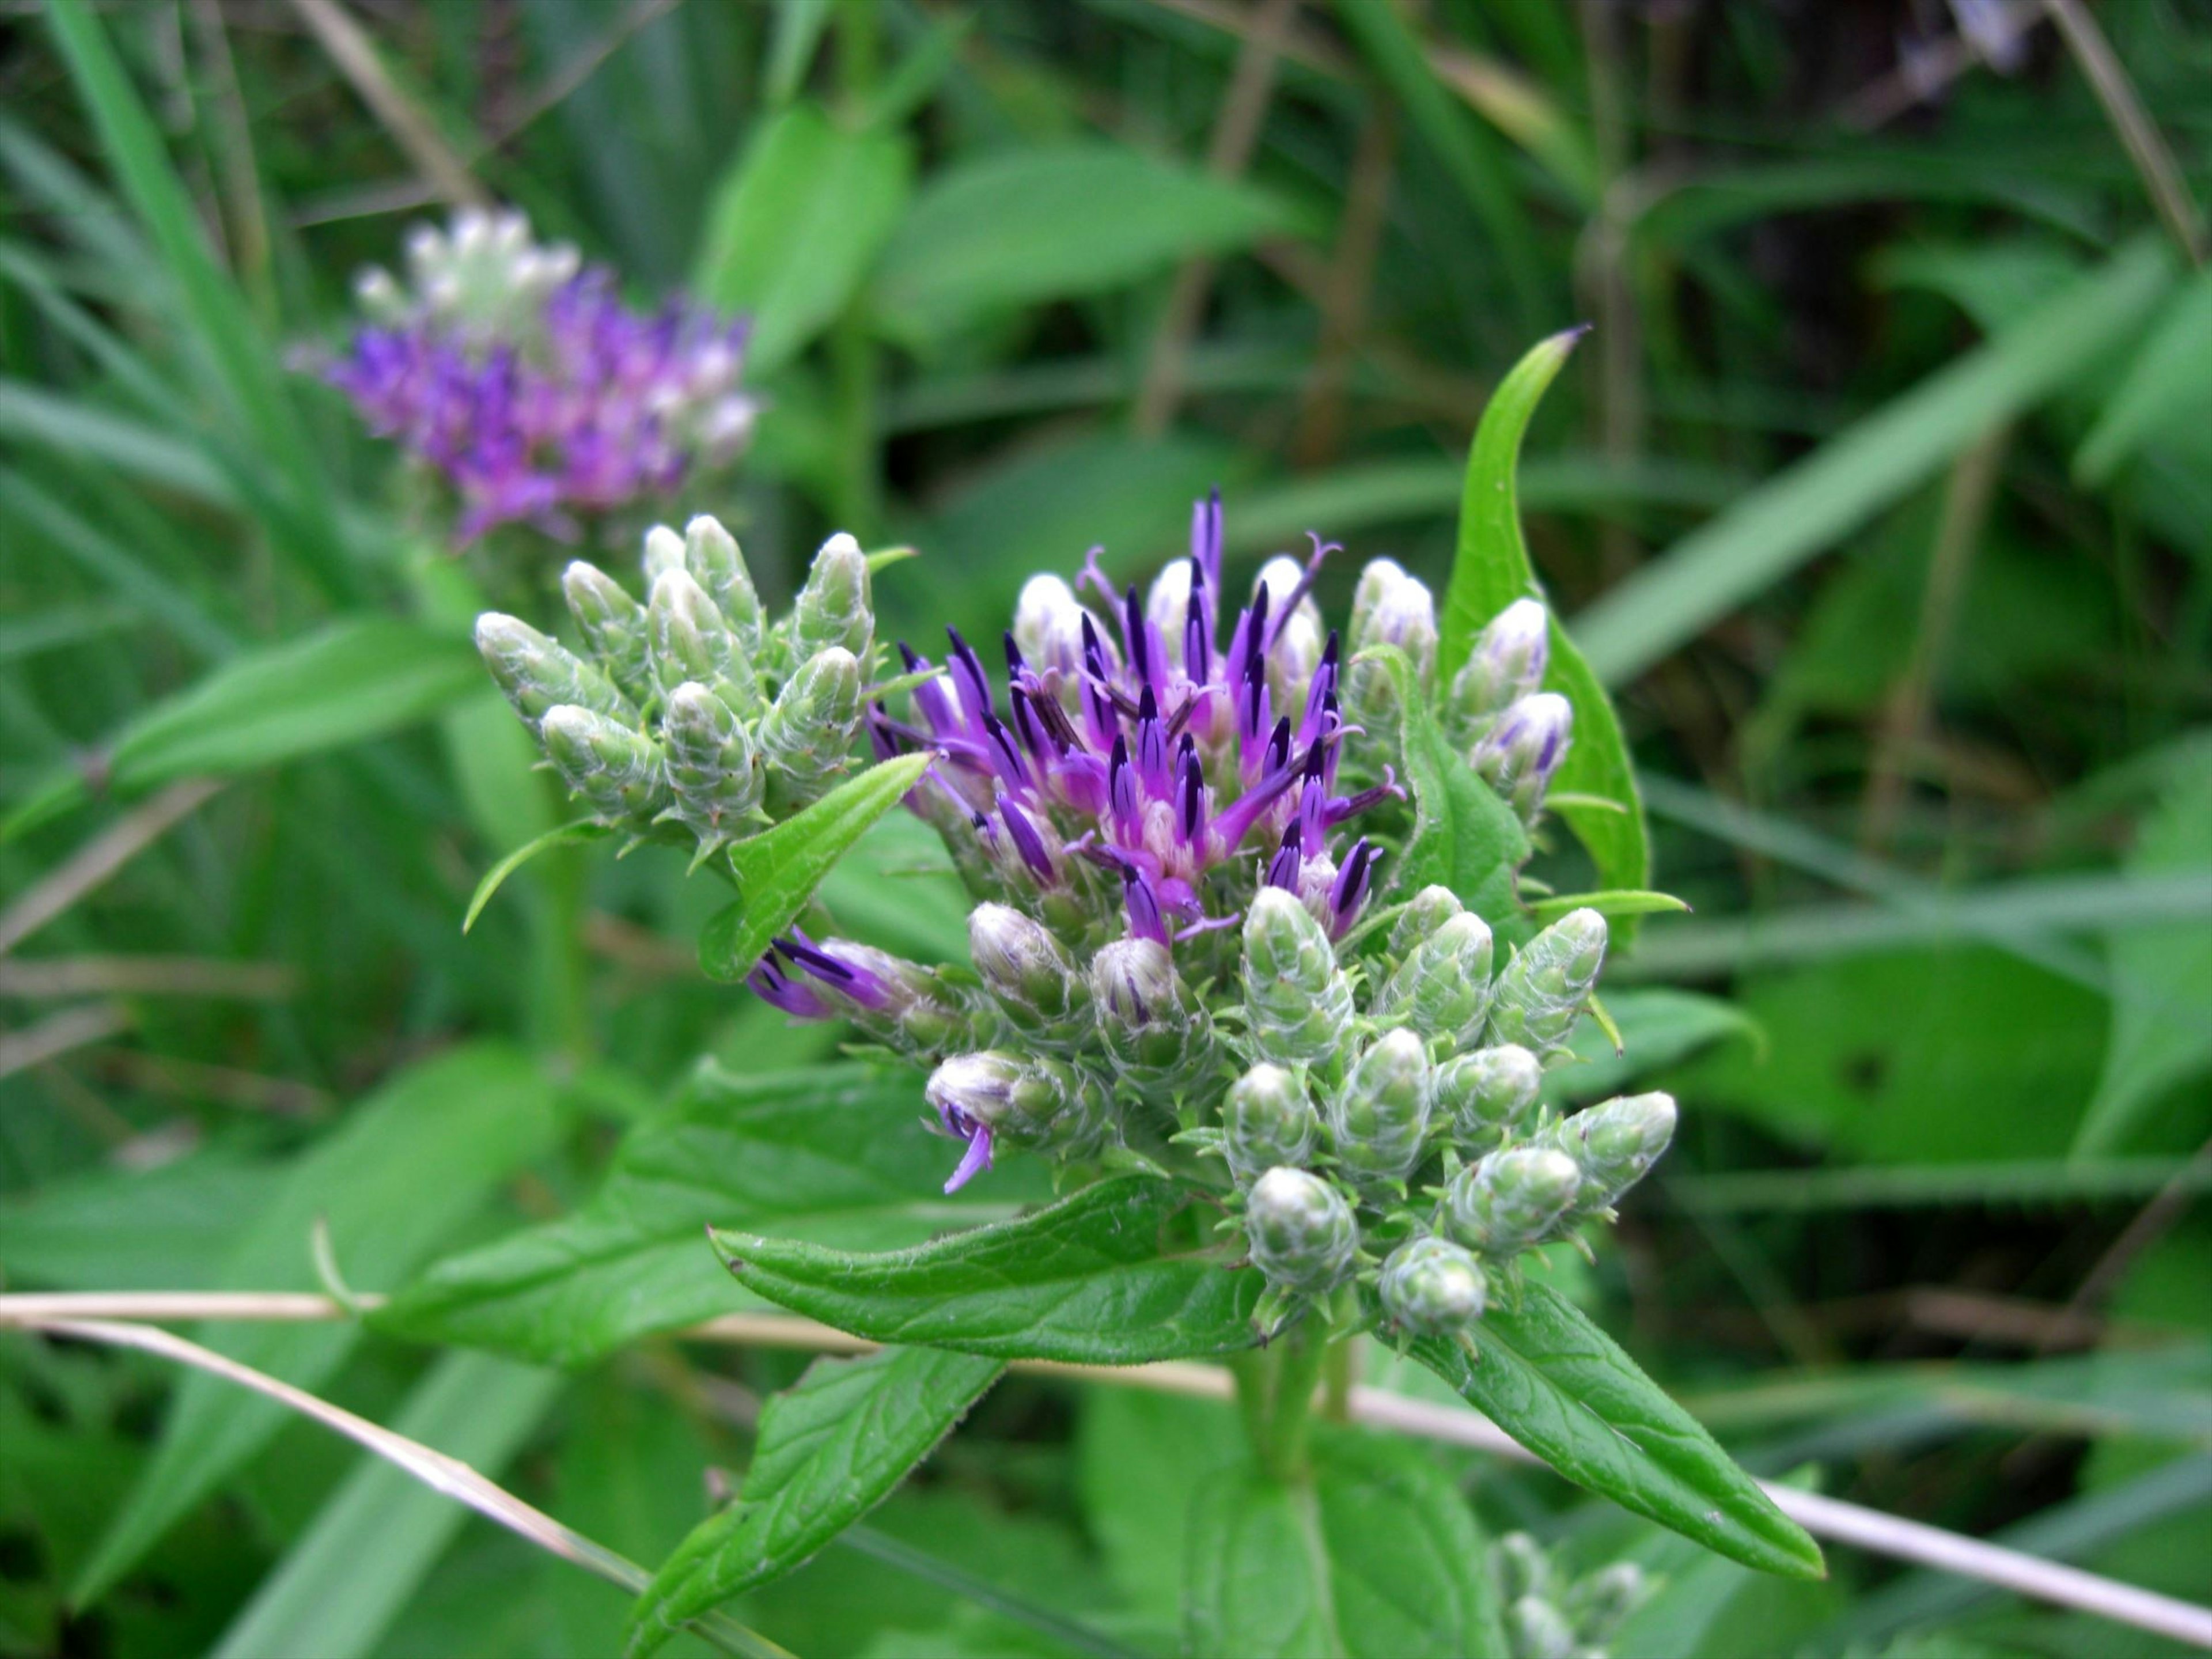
{"x": 567, "y": 401}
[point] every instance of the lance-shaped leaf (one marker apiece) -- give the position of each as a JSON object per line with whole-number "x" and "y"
{"x": 777, "y": 872}
{"x": 1490, "y": 571}
{"x": 1464, "y": 837}
{"x": 1562, "y": 1387}
{"x": 832, "y": 1153}
{"x": 1379, "y": 1559}
{"x": 831, "y": 1449}
{"x": 347, "y": 683}
{"x": 1120, "y": 1274}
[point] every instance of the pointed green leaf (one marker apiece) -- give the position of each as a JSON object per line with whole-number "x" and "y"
{"x": 495, "y": 878}
{"x": 1490, "y": 572}
{"x": 1120, "y": 1274}
{"x": 831, "y": 1449}
{"x": 832, "y": 1153}
{"x": 1259, "y": 1584}
{"x": 796, "y": 226}
{"x": 778, "y": 872}
{"x": 348, "y": 682}
{"x": 1562, "y": 1387}
{"x": 1613, "y": 902}
{"x": 1408, "y": 1567}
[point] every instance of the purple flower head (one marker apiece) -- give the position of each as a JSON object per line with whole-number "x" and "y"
{"x": 531, "y": 385}
{"x": 1150, "y": 749}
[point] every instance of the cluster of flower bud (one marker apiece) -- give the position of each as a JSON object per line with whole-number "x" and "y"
{"x": 1169, "y": 959}
{"x": 1548, "y": 1615}
{"x": 1432, "y": 1086}
{"x": 688, "y": 714}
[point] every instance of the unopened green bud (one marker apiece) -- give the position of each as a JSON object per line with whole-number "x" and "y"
{"x": 614, "y": 767}
{"x": 1599, "y": 1604}
{"x": 1379, "y": 1120}
{"x": 1534, "y": 1629}
{"x": 1267, "y": 1120}
{"x": 1615, "y": 1145}
{"x": 663, "y": 552}
{"x": 1541, "y": 991}
{"x": 805, "y": 736}
{"x": 1487, "y": 1095}
{"x": 1431, "y": 1287}
{"x": 614, "y": 626}
{"x": 539, "y": 674}
{"x": 1443, "y": 987}
{"x": 1507, "y": 663}
{"x": 1387, "y": 608}
{"x": 1303, "y": 1234}
{"x": 712, "y": 766}
{"x": 1299, "y": 1000}
{"x": 1031, "y": 973}
{"x": 833, "y": 608}
{"x": 1023, "y": 1098}
{"x": 1522, "y": 750}
{"x": 1159, "y": 1036}
{"x": 711, "y": 555}
{"x": 1426, "y": 911}
{"x": 690, "y": 640}
{"x": 1510, "y": 1202}
{"x": 1521, "y": 1567}
{"x": 1390, "y": 607}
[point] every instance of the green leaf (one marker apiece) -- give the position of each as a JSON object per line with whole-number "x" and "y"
{"x": 796, "y": 226}
{"x": 1638, "y": 902}
{"x": 1463, "y": 837}
{"x": 348, "y": 682}
{"x": 1408, "y": 1568}
{"x": 369, "y": 1549}
{"x": 1141, "y": 1460}
{"x": 1562, "y": 1387}
{"x": 2161, "y": 976}
{"x": 495, "y": 878}
{"x": 1118, "y": 1274}
{"x": 1820, "y": 500}
{"x": 1490, "y": 570}
{"x": 1259, "y": 1585}
{"x": 1038, "y": 223}
{"x": 212, "y": 312}
{"x": 778, "y": 872}
{"x": 835, "y": 1153}
{"x": 831, "y": 1449}
{"x": 2169, "y": 382}
{"x": 470, "y": 1117}
{"x": 1660, "y": 1028}
{"x": 1378, "y": 1558}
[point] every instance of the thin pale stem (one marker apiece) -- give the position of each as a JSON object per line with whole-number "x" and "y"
{"x": 1890, "y": 1536}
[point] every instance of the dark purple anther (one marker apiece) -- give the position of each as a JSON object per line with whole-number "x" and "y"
{"x": 769, "y": 983}
{"x": 1290, "y": 858}
{"x": 1133, "y": 633}
{"x": 1028, "y": 841}
{"x": 1016, "y": 666}
{"x": 1144, "y": 905}
{"x": 1006, "y": 754}
{"x": 1193, "y": 803}
{"x": 1350, "y": 891}
{"x": 859, "y": 984}
{"x": 970, "y": 681}
{"x": 1152, "y": 746}
{"x": 1206, "y": 538}
{"x": 1122, "y": 795}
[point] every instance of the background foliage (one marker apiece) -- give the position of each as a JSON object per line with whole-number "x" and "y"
{"x": 1879, "y": 496}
